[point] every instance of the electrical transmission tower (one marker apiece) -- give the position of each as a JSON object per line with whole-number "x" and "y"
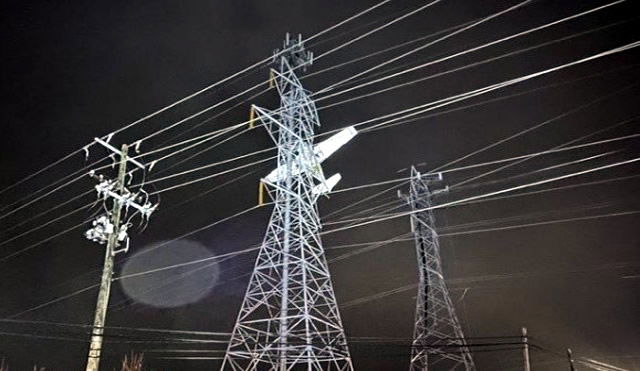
{"x": 438, "y": 341}
{"x": 117, "y": 197}
{"x": 289, "y": 319}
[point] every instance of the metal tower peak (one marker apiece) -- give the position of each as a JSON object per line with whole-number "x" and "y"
{"x": 292, "y": 55}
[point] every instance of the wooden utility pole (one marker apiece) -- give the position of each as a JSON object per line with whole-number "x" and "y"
{"x": 525, "y": 350}
{"x": 572, "y": 365}
{"x": 95, "y": 349}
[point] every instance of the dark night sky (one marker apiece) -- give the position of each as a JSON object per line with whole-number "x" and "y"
{"x": 75, "y": 70}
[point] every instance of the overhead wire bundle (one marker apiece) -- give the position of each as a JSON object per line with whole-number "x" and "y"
{"x": 376, "y": 126}
{"x": 386, "y": 210}
{"x": 263, "y": 160}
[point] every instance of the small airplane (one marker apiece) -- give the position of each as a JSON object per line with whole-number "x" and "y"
{"x": 321, "y": 152}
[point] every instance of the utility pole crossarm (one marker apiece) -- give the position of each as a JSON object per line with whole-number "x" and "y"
{"x": 118, "y": 152}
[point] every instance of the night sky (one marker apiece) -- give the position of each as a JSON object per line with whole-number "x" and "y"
{"x": 75, "y": 70}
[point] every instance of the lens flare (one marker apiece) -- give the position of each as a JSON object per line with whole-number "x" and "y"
{"x": 170, "y": 288}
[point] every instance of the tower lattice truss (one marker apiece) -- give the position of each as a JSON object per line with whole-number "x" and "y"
{"x": 438, "y": 341}
{"x": 289, "y": 319}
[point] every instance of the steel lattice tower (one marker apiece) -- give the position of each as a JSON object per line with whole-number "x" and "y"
{"x": 438, "y": 341}
{"x": 289, "y": 319}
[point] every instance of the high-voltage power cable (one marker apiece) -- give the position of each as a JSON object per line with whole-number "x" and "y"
{"x": 396, "y": 181}
{"x": 211, "y": 135}
{"x": 417, "y": 49}
{"x": 448, "y": 204}
{"x": 439, "y": 113}
{"x": 494, "y": 193}
{"x": 466, "y": 51}
{"x": 193, "y": 95}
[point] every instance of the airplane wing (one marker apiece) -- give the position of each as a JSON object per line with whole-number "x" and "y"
{"x": 321, "y": 151}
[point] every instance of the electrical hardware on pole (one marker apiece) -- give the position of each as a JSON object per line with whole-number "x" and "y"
{"x": 111, "y": 229}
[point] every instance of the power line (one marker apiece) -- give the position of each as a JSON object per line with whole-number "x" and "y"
{"x": 571, "y": 186}
{"x": 554, "y": 150}
{"x": 207, "y": 137}
{"x": 537, "y": 224}
{"x": 415, "y": 110}
{"x": 489, "y": 194}
{"x": 134, "y": 329}
{"x": 463, "y": 201}
{"x": 527, "y": 156}
{"x": 455, "y": 100}
{"x": 475, "y": 48}
{"x": 36, "y": 244}
{"x": 552, "y": 167}
{"x": 372, "y": 245}
{"x": 555, "y": 147}
{"x": 598, "y": 8}
{"x": 523, "y": 157}
{"x": 498, "y": 99}
{"x": 190, "y": 96}
{"x": 210, "y": 225}
{"x": 400, "y": 122}
{"x": 358, "y": 39}
{"x": 541, "y": 26}
{"x": 267, "y": 81}
{"x": 398, "y": 19}
{"x": 415, "y": 50}
{"x": 379, "y": 183}
{"x": 373, "y": 54}
{"x": 467, "y": 66}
